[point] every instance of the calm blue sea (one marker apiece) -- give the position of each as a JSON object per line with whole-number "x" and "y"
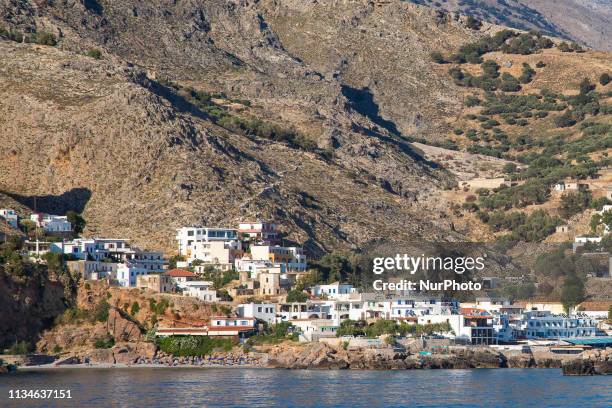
{"x": 196, "y": 387}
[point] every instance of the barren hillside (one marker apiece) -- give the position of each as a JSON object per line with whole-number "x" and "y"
{"x": 146, "y": 116}
{"x": 587, "y": 22}
{"x": 109, "y": 138}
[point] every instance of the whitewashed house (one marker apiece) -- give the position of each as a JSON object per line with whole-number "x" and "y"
{"x": 260, "y": 311}
{"x": 10, "y": 216}
{"x": 333, "y": 290}
{"x": 181, "y": 277}
{"x": 126, "y": 274}
{"x": 292, "y": 257}
{"x": 202, "y": 290}
{"x": 52, "y": 223}
{"x": 220, "y": 254}
{"x": 259, "y": 231}
{"x": 187, "y": 237}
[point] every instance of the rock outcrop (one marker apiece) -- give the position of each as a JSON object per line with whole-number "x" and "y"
{"x": 592, "y": 362}
{"x": 324, "y": 356}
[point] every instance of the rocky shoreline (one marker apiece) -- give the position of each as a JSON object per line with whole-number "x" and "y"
{"x": 322, "y": 356}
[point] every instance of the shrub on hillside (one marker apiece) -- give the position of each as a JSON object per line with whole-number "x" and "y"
{"x": 473, "y": 23}
{"x": 527, "y": 74}
{"x": 437, "y": 57}
{"x": 94, "y": 53}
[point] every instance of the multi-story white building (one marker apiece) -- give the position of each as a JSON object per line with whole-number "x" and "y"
{"x": 52, "y": 223}
{"x": 304, "y": 310}
{"x": 111, "y": 250}
{"x": 127, "y": 274}
{"x": 259, "y": 231}
{"x": 220, "y": 254}
{"x": 292, "y": 257}
{"x": 260, "y": 311}
{"x": 545, "y": 325}
{"x": 187, "y": 237}
{"x": 93, "y": 270}
{"x": 10, "y": 216}
{"x": 471, "y": 325}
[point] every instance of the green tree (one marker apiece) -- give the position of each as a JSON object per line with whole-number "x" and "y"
{"x": 101, "y": 311}
{"x": 350, "y": 328}
{"x": 509, "y": 168}
{"x": 174, "y": 259}
{"x": 135, "y": 308}
{"x": 572, "y": 291}
{"x": 77, "y": 221}
{"x": 296, "y": 296}
{"x": 14, "y": 264}
{"x": 28, "y": 226}
{"x": 605, "y": 79}
{"x": 574, "y": 203}
{"x": 490, "y": 69}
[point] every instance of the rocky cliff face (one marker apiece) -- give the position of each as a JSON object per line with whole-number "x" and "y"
{"x": 106, "y": 138}
{"x": 587, "y": 22}
{"x": 29, "y": 305}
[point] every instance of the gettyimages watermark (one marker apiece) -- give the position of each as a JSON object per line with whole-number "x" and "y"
{"x": 449, "y": 268}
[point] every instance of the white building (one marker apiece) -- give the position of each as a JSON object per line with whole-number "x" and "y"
{"x": 315, "y": 329}
{"x": 304, "y": 310}
{"x": 52, "y": 223}
{"x": 93, "y": 270}
{"x": 220, "y": 254}
{"x": 10, "y": 216}
{"x": 582, "y": 241}
{"x": 111, "y": 250}
{"x": 127, "y": 274}
{"x": 472, "y": 325}
{"x": 292, "y": 257}
{"x": 259, "y": 231}
{"x": 187, "y": 237}
{"x": 231, "y": 326}
{"x": 333, "y": 290}
{"x": 181, "y": 277}
{"x": 260, "y": 311}
{"x": 545, "y": 325}
{"x": 202, "y": 290}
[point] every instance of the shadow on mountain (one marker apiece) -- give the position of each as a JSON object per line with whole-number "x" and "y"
{"x": 93, "y": 5}
{"x": 362, "y": 101}
{"x": 72, "y": 200}
{"x": 401, "y": 144}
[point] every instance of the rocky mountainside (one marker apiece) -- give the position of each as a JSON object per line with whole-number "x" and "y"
{"x": 147, "y": 116}
{"x": 110, "y": 138}
{"x": 587, "y": 22}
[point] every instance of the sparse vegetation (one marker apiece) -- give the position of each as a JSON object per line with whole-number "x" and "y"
{"x": 94, "y": 53}
{"x": 247, "y": 126}
{"x": 187, "y": 346}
